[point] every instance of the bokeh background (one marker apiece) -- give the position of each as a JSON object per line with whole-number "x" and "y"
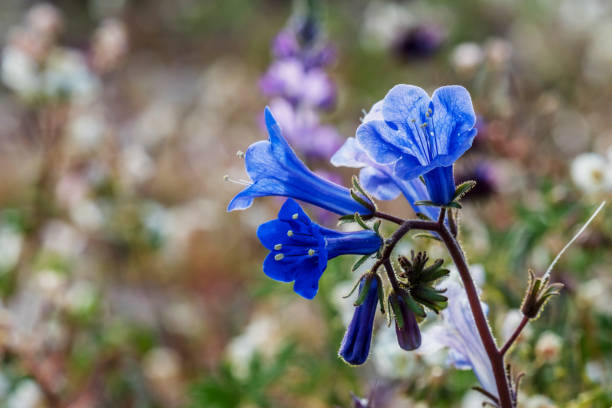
{"x": 123, "y": 281}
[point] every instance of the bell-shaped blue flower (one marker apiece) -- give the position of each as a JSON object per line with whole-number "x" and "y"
{"x": 421, "y": 136}
{"x": 299, "y": 248}
{"x": 275, "y": 170}
{"x": 355, "y": 346}
{"x": 380, "y": 180}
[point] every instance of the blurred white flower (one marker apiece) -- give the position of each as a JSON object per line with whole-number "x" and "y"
{"x": 594, "y": 294}
{"x": 162, "y": 368}
{"x": 592, "y": 173}
{"x": 383, "y": 21}
{"x": 389, "y": 359}
{"x": 63, "y": 238}
{"x": 509, "y": 324}
{"x": 19, "y": 72}
{"x": 110, "y": 44}
{"x": 11, "y": 242}
{"x": 548, "y": 347}
{"x": 467, "y": 57}
{"x": 80, "y": 297}
{"x": 44, "y": 19}
{"x": 66, "y": 75}
{"x": 183, "y": 317}
{"x": 87, "y": 215}
{"x": 137, "y": 165}
{"x": 537, "y": 401}
{"x": 261, "y": 336}
{"x": 26, "y": 395}
{"x": 86, "y": 130}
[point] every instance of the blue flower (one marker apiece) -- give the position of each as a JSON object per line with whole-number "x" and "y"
{"x": 275, "y": 170}
{"x": 380, "y": 180}
{"x": 299, "y": 248}
{"x": 355, "y": 346}
{"x": 458, "y": 332}
{"x": 421, "y": 136}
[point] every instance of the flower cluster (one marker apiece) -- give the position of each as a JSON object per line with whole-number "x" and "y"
{"x": 407, "y": 144}
{"x": 299, "y": 87}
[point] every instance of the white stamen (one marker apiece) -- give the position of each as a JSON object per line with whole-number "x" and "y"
{"x": 289, "y": 233}
{"x": 295, "y": 216}
{"x": 278, "y": 247}
{"x": 236, "y": 181}
{"x": 580, "y": 231}
{"x": 278, "y": 257}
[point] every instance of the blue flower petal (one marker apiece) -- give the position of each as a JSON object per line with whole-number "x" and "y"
{"x": 350, "y": 154}
{"x": 454, "y": 119}
{"x": 379, "y": 184}
{"x": 278, "y": 271}
{"x": 376, "y": 138}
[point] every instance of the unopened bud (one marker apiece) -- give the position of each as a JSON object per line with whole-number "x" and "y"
{"x": 539, "y": 291}
{"x": 406, "y": 325}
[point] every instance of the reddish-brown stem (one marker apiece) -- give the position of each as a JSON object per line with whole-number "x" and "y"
{"x": 495, "y": 357}
{"x": 514, "y": 336}
{"x": 389, "y": 217}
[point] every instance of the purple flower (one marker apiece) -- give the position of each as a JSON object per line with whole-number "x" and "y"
{"x": 418, "y": 42}
{"x": 302, "y": 129}
{"x": 290, "y": 79}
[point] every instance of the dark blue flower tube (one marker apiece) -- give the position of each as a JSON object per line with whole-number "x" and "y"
{"x": 355, "y": 346}
{"x": 300, "y": 248}
{"x": 406, "y": 325}
{"x": 275, "y": 170}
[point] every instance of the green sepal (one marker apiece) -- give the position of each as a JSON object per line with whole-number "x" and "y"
{"x": 376, "y": 226}
{"x": 381, "y": 295}
{"x": 361, "y": 222}
{"x": 423, "y": 217}
{"x": 353, "y": 288}
{"x": 359, "y": 262}
{"x": 359, "y": 199}
{"x": 435, "y": 275}
{"x": 463, "y": 189}
{"x": 426, "y": 236}
{"x": 414, "y": 306}
{"x": 364, "y": 291}
{"x": 428, "y": 203}
{"x": 397, "y": 313}
{"x": 432, "y": 295}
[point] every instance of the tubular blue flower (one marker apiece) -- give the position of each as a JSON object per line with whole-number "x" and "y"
{"x": 421, "y": 136}
{"x": 355, "y": 346}
{"x": 380, "y": 180}
{"x": 275, "y": 170}
{"x": 458, "y": 332}
{"x": 408, "y": 333}
{"x": 300, "y": 249}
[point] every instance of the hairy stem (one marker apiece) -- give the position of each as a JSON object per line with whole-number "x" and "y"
{"x": 495, "y": 356}
{"x": 389, "y": 217}
{"x": 514, "y": 335}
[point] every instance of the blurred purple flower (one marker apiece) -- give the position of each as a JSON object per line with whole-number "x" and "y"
{"x": 486, "y": 177}
{"x": 418, "y": 42}
{"x": 302, "y": 129}
{"x": 290, "y": 79}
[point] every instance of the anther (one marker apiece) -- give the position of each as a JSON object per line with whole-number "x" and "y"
{"x": 289, "y": 233}
{"x": 311, "y": 252}
{"x": 295, "y": 216}
{"x": 278, "y": 247}
{"x": 278, "y": 257}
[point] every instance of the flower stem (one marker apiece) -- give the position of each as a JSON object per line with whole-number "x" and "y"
{"x": 495, "y": 356}
{"x": 389, "y": 217}
{"x": 514, "y": 335}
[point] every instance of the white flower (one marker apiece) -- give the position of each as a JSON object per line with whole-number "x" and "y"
{"x": 466, "y": 57}
{"x": 26, "y": 395}
{"x": 548, "y": 347}
{"x": 389, "y": 359}
{"x": 592, "y": 173}
{"x": 11, "y": 242}
{"x": 511, "y": 321}
{"x": 19, "y": 72}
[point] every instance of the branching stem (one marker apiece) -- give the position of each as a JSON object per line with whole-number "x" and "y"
{"x": 514, "y": 335}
